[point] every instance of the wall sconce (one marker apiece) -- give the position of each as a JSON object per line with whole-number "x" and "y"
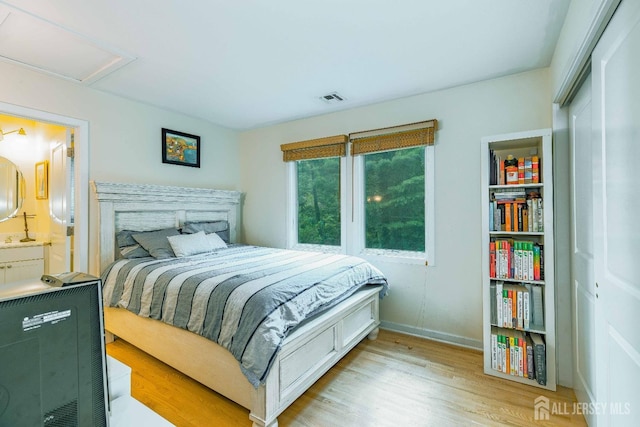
{"x": 20, "y": 132}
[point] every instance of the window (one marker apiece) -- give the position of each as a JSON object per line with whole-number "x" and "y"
{"x": 379, "y": 202}
{"x": 318, "y": 194}
{"x": 395, "y": 200}
{"x": 315, "y": 193}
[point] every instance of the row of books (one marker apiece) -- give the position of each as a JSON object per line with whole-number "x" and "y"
{"x": 528, "y": 170}
{"x": 516, "y": 214}
{"x": 516, "y": 306}
{"x": 516, "y": 259}
{"x": 519, "y": 354}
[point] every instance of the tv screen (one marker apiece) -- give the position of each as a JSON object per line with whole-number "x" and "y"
{"x": 52, "y": 357}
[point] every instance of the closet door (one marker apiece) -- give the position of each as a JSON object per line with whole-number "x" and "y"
{"x": 582, "y": 280}
{"x": 616, "y": 125}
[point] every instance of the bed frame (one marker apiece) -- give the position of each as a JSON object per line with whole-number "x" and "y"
{"x": 310, "y": 351}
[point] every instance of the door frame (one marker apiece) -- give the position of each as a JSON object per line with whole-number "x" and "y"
{"x": 81, "y": 174}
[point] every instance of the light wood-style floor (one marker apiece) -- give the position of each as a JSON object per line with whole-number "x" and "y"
{"x": 397, "y": 380}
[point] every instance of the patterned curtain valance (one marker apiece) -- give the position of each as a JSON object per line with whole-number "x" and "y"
{"x": 331, "y": 146}
{"x": 393, "y": 138}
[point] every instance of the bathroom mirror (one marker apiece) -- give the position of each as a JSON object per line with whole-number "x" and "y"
{"x": 12, "y": 188}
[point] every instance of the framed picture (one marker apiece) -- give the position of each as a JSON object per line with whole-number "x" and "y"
{"x": 179, "y": 148}
{"x": 42, "y": 180}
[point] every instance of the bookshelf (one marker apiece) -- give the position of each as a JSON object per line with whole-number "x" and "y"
{"x": 518, "y": 289}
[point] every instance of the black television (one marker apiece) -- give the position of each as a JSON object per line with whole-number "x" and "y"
{"x": 52, "y": 356}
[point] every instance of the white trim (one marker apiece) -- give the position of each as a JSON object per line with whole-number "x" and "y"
{"x": 456, "y": 340}
{"x": 291, "y": 211}
{"x": 430, "y": 204}
{"x": 81, "y": 175}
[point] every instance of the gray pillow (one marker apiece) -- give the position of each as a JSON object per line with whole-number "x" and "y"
{"x": 156, "y": 242}
{"x": 221, "y": 228}
{"x": 128, "y": 247}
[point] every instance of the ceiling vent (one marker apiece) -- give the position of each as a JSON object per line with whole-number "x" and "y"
{"x": 333, "y": 98}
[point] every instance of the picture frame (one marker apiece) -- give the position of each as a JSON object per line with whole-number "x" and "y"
{"x": 180, "y": 148}
{"x": 42, "y": 180}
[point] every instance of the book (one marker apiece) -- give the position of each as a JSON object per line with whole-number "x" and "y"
{"x": 539, "y": 358}
{"x": 535, "y": 169}
{"x": 526, "y": 311}
{"x": 528, "y": 171}
{"x": 520, "y": 170}
{"x": 494, "y": 352}
{"x": 493, "y": 305}
{"x": 492, "y": 215}
{"x": 540, "y": 214}
{"x": 499, "y": 305}
{"x": 536, "y": 262}
{"x": 541, "y": 261}
{"x": 518, "y": 315}
{"x": 530, "y": 365}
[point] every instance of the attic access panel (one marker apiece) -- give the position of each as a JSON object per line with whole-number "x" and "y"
{"x": 42, "y": 45}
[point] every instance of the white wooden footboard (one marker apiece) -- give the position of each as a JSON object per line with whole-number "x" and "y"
{"x": 312, "y": 350}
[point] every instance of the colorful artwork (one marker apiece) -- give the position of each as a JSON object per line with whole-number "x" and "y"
{"x": 180, "y": 148}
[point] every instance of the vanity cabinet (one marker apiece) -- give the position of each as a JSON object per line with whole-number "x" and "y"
{"x": 21, "y": 263}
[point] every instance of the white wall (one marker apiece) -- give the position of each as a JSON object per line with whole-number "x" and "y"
{"x": 125, "y": 136}
{"x": 441, "y": 301}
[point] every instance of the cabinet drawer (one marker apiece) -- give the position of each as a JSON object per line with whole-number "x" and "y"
{"x": 21, "y": 254}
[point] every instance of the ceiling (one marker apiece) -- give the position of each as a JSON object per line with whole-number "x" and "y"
{"x": 252, "y": 63}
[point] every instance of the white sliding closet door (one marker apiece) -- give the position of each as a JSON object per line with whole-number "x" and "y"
{"x": 582, "y": 280}
{"x": 616, "y": 126}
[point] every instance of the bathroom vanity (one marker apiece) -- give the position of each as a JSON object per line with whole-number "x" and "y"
{"x": 21, "y": 261}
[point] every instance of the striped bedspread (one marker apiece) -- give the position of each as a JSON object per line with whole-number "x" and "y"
{"x": 245, "y": 298}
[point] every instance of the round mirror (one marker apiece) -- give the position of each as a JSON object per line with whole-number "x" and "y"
{"x": 12, "y": 189}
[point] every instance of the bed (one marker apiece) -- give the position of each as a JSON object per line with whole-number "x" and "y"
{"x": 307, "y": 347}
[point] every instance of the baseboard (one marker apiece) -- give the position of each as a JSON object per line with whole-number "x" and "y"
{"x": 433, "y": 335}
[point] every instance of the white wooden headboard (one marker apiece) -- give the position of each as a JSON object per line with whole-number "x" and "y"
{"x": 144, "y": 207}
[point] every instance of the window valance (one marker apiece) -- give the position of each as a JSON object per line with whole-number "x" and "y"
{"x": 393, "y": 138}
{"x": 331, "y": 146}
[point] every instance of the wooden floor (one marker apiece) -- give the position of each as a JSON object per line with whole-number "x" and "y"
{"x": 397, "y": 380}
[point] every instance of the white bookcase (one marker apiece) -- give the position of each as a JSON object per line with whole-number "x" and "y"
{"x": 518, "y": 246}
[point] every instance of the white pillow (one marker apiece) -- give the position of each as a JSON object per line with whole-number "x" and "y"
{"x": 215, "y": 241}
{"x": 190, "y": 244}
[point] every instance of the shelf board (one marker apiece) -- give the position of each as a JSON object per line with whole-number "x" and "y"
{"x": 536, "y": 329}
{"x": 509, "y": 186}
{"x": 533, "y": 282}
{"x": 521, "y": 380}
{"x": 516, "y": 233}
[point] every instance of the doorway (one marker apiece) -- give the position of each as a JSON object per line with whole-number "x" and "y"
{"x": 79, "y": 191}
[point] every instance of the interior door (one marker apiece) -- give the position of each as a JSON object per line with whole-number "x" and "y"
{"x": 582, "y": 269}
{"x": 616, "y": 138}
{"x": 59, "y": 189}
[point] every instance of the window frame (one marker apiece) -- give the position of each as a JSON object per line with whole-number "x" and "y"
{"x": 352, "y": 213}
{"x": 292, "y": 211}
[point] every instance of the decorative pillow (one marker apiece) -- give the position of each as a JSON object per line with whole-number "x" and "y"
{"x": 215, "y": 241}
{"x": 128, "y": 247}
{"x": 156, "y": 243}
{"x": 190, "y": 244}
{"x": 221, "y": 228}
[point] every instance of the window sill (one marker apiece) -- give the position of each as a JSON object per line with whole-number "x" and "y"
{"x": 381, "y": 255}
{"x": 399, "y": 257}
{"x": 317, "y": 248}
